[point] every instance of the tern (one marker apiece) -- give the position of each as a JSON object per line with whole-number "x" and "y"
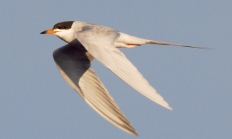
{"x": 86, "y": 42}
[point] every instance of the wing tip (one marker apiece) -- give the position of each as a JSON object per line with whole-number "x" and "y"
{"x": 133, "y": 133}
{"x": 163, "y": 103}
{"x": 168, "y": 107}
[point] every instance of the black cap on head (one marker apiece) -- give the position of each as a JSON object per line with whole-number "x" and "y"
{"x": 63, "y": 25}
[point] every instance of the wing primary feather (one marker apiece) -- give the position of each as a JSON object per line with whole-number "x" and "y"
{"x": 73, "y": 62}
{"x": 99, "y": 42}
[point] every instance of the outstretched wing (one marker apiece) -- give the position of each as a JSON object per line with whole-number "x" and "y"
{"x": 74, "y": 65}
{"x": 99, "y": 42}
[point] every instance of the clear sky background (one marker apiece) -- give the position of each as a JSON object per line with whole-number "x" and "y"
{"x": 36, "y": 103}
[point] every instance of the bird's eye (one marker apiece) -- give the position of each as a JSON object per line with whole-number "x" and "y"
{"x": 60, "y": 27}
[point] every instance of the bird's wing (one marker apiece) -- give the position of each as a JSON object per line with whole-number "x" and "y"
{"x": 74, "y": 65}
{"x": 99, "y": 42}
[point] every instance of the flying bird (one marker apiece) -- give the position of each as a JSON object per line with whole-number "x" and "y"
{"x": 86, "y": 42}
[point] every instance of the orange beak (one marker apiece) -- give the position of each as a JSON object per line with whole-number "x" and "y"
{"x": 49, "y": 31}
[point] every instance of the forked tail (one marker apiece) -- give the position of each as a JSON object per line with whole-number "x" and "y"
{"x": 172, "y": 44}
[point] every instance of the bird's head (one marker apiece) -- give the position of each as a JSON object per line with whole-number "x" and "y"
{"x": 63, "y": 30}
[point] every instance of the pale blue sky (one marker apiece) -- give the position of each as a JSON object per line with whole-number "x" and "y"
{"x": 35, "y": 102}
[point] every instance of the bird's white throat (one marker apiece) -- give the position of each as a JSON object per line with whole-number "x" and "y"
{"x": 66, "y": 35}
